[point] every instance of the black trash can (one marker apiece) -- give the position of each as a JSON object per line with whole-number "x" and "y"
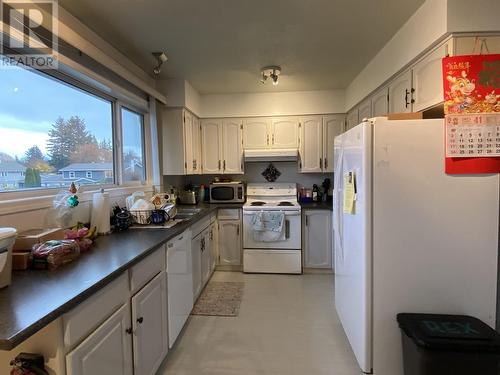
{"x": 448, "y": 344}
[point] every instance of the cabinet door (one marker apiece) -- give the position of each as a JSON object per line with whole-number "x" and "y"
{"x": 352, "y": 119}
{"x": 196, "y": 246}
{"x": 311, "y": 144}
{"x": 206, "y": 258}
{"x": 427, "y": 79}
{"x": 318, "y": 239}
{"x": 188, "y": 143}
{"x": 380, "y": 102}
{"x": 232, "y": 147}
{"x": 214, "y": 246}
{"x": 333, "y": 125}
{"x": 108, "y": 350}
{"x": 365, "y": 110}
{"x": 285, "y": 132}
{"x": 196, "y": 146}
{"x": 400, "y": 93}
{"x": 230, "y": 242}
{"x": 211, "y": 146}
{"x": 149, "y": 321}
{"x": 256, "y": 133}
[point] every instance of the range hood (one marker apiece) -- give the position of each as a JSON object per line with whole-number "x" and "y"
{"x": 289, "y": 154}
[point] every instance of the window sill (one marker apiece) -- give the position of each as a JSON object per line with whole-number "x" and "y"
{"x": 44, "y": 199}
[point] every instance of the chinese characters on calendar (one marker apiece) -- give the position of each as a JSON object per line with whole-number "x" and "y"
{"x": 475, "y": 135}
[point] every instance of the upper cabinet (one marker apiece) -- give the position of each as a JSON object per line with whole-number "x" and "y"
{"x": 256, "y": 133}
{"x": 222, "y": 150}
{"x": 465, "y": 45}
{"x": 316, "y": 142}
{"x": 181, "y": 142}
{"x": 400, "y": 93}
{"x": 278, "y": 133}
{"x": 380, "y": 102}
{"x": 352, "y": 118}
{"x": 426, "y": 76}
{"x": 365, "y": 110}
{"x": 285, "y": 132}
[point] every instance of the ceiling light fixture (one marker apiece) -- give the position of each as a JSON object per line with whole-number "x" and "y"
{"x": 160, "y": 59}
{"x": 272, "y": 72}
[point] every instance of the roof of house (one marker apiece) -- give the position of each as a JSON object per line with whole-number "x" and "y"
{"x": 12, "y": 166}
{"x": 87, "y": 167}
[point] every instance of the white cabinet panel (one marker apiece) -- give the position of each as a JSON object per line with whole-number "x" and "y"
{"x": 149, "y": 322}
{"x": 180, "y": 284}
{"x": 380, "y": 102}
{"x": 333, "y": 125}
{"x": 285, "y": 132}
{"x": 465, "y": 45}
{"x": 188, "y": 143}
{"x": 256, "y": 133}
{"x": 311, "y": 144}
{"x": 318, "y": 239}
{"x": 197, "y": 248}
{"x": 232, "y": 149}
{"x": 108, "y": 350}
{"x": 352, "y": 118}
{"x": 400, "y": 93}
{"x": 196, "y": 162}
{"x": 365, "y": 110}
{"x": 427, "y": 81}
{"x": 230, "y": 242}
{"x": 211, "y": 147}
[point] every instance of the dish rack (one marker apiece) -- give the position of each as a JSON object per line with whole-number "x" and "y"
{"x": 142, "y": 217}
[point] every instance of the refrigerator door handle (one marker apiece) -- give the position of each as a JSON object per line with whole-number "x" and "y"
{"x": 338, "y": 205}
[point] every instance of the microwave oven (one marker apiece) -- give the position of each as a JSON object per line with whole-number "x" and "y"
{"x": 227, "y": 192}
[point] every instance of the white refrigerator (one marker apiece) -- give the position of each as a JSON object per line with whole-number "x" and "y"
{"x": 417, "y": 239}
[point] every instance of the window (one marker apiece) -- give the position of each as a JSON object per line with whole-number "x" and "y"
{"x": 3, "y": 174}
{"x": 133, "y": 168}
{"x": 88, "y": 174}
{"x": 53, "y": 132}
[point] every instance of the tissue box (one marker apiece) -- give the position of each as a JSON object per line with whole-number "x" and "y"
{"x": 26, "y": 240}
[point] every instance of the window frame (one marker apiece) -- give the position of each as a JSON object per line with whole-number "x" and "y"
{"x": 116, "y": 105}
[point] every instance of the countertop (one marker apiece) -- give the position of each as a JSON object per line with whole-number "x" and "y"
{"x": 37, "y": 297}
{"x": 317, "y": 205}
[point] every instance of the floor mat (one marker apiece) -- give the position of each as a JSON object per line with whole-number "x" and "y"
{"x": 220, "y": 299}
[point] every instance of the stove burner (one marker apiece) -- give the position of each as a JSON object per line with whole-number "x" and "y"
{"x": 257, "y": 203}
{"x": 285, "y": 204}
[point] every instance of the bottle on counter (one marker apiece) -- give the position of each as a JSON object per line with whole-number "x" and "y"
{"x": 202, "y": 193}
{"x": 315, "y": 193}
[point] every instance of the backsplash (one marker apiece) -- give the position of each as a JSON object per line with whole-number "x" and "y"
{"x": 253, "y": 173}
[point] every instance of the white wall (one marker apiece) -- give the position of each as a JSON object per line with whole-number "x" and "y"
{"x": 273, "y": 104}
{"x": 424, "y": 27}
{"x": 192, "y": 98}
{"x": 478, "y": 15}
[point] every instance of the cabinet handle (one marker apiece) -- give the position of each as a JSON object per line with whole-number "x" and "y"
{"x": 129, "y": 331}
{"x": 180, "y": 238}
{"x": 238, "y": 230}
{"x": 268, "y": 139}
{"x": 224, "y": 165}
{"x": 219, "y": 165}
{"x": 407, "y": 92}
{"x": 326, "y": 163}
{"x": 307, "y": 221}
{"x": 170, "y": 245}
{"x": 320, "y": 163}
{"x": 194, "y": 164}
{"x": 140, "y": 320}
{"x": 273, "y": 139}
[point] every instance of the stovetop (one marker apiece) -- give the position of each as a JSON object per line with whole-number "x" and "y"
{"x": 273, "y": 196}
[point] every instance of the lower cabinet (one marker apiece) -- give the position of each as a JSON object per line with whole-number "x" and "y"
{"x": 318, "y": 239}
{"x": 149, "y": 325}
{"x": 230, "y": 242}
{"x": 108, "y": 350}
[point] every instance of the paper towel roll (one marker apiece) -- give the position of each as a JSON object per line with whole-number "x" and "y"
{"x": 101, "y": 212}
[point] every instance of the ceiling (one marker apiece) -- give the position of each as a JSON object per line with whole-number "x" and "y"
{"x": 219, "y": 46}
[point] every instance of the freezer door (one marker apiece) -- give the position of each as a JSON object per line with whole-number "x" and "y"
{"x": 352, "y": 233}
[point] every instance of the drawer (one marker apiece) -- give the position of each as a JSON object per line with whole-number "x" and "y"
{"x": 147, "y": 269}
{"x": 90, "y": 314}
{"x": 228, "y": 214}
{"x": 198, "y": 227}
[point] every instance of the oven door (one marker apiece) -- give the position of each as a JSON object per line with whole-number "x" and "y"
{"x": 292, "y": 238}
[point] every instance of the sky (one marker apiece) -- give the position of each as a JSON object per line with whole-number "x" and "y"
{"x": 31, "y": 102}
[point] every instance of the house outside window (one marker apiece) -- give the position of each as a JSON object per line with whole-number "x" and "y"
{"x": 88, "y": 174}
{"x": 71, "y": 174}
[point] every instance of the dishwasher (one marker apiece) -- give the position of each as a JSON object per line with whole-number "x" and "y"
{"x": 180, "y": 284}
